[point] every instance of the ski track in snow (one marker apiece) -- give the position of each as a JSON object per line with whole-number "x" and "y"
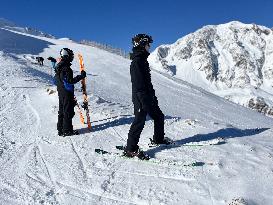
{"x": 48, "y": 169}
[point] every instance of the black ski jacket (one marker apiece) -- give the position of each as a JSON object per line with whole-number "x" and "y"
{"x": 64, "y": 78}
{"x": 142, "y": 88}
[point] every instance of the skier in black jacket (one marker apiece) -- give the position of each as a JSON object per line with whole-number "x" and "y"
{"x": 65, "y": 86}
{"x": 143, "y": 97}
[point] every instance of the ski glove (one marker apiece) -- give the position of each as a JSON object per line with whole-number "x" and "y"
{"x": 83, "y": 74}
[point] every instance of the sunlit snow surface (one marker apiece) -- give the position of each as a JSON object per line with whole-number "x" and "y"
{"x": 39, "y": 167}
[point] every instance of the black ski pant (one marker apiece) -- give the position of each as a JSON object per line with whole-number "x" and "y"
{"x": 66, "y": 113}
{"x": 138, "y": 124}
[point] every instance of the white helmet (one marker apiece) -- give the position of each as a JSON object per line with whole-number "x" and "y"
{"x": 66, "y": 53}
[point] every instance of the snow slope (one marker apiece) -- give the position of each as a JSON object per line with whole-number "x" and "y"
{"x": 38, "y": 167}
{"x": 232, "y": 60}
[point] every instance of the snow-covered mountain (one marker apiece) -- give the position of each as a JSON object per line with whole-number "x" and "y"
{"x": 4, "y": 23}
{"x": 232, "y": 144}
{"x": 232, "y": 60}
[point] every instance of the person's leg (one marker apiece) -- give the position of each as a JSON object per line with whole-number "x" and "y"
{"x": 135, "y": 130}
{"x": 68, "y": 114}
{"x": 60, "y": 116}
{"x": 156, "y": 114}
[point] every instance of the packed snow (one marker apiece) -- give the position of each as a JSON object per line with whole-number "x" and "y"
{"x": 233, "y": 144}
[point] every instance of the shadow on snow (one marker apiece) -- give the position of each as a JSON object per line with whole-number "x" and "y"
{"x": 125, "y": 120}
{"x": 225, "y": 133}
{"x": 20, "y": 44}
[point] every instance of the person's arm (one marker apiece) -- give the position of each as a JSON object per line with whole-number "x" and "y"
{"x": 52, "y": 59}
{"x": 137, "y": 76}
{"x": 71, "y": 80}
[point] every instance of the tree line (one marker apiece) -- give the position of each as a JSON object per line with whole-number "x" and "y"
{"x": 106, "y": 47}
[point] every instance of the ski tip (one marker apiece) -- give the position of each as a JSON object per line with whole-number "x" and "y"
{"x": 198, "y": 164}
{"x": 97, "y": 150}
{"x": 221, "y": 143}
{"x": 120, "y": 147}
{"x": 100, "y": 151}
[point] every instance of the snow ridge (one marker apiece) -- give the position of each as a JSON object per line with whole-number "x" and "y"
{"x": 12, "y": 26}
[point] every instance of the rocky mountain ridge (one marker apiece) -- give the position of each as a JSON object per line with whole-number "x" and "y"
{"x": 232, "y": 60}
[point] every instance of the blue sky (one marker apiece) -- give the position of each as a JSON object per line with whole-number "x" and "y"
{"x": 115, "y": 21}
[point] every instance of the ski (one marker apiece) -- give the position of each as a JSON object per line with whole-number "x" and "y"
{"x": 161, "y": 162}
{"x": 216, "y": 141}
{"x": 85, "y": 99}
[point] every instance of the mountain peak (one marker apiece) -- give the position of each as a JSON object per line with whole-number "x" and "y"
{"x": 232, "y": 60}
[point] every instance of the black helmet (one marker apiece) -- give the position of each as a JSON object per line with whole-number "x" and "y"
{"x": 141, "y": 40}
{"x": 68, "y": 54}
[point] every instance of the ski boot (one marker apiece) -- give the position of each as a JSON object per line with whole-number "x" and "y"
{"x": 139, "y": 154}
{"x": 165, "y": 141}
{"x": 60, "y": 133}
{"x": 70, "y": 133}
